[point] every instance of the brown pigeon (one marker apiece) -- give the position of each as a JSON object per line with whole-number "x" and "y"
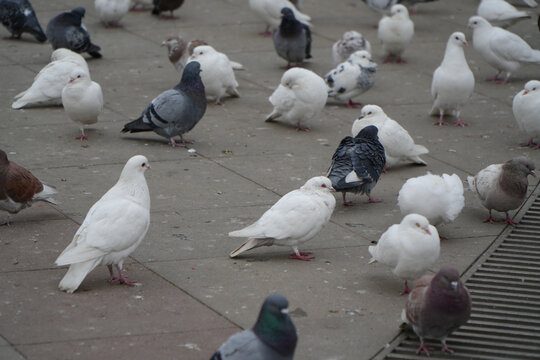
{"x": 180, "y": 50}
{"x": 19, "y": 188}
{"x": 437, "y": 306}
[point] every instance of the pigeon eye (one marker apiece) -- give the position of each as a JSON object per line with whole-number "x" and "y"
{"x": 143, "y": 164}
{"x": 417, "y": 225}
{"x": 476, "y": 22}
{"x": 369, "y": 113}
{"x": 533, "y": 89}
{"x": 456, "y": 38}
{"x": 323, "y": 185}
{"x": 78, "y": 76}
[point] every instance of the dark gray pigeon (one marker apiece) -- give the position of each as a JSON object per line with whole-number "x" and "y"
{"x": 437, "y": 306}
{"x": 273, "y": 337}
{"x": 176, "y": 111}
{"x": 18, "y": 16}
{"x": 166, "y": 5}
{"x": 357, "y": 164}
{"x": 66, "y": 31}
{"x": 292, "y": 39}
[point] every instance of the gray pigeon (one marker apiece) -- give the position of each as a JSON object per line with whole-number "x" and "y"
{"x": 273, "y": 337}
{"x": 437, "y": 306}
{"x": 502, "y": 187}
{"x": 18, "y": 16}
{"x": 66, "y": 31}
{"x": 176, "y": 111}
{"x": 292, "y": 40}
{"x": 357, "y": 164}
{"x": 166, "y": 5}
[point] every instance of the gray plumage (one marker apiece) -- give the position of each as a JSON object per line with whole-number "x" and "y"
{"x": 273, "y": 337}
{"x": 502, "y": 187}
{"x": 380, "y": 6}
{"x": 18, "y": 17}
{"x": 67, "y": 31}
{"x": 176, "y": 111}
{"x": 437, "y": 306}
{"x": 357, "y": 163}
{"x": 292, "y": 40}
{"x": 166, "y": 5}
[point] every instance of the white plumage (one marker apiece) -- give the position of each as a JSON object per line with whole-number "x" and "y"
{"x": 500, "y": 48}
{"x": 398, "y": 145}
{"x": 82, "y": 99}
{"x": 217, "y": 72}
{"x": 395, "y": 32}
{"x": 453, "y": 81}
{"x": 300, "y": 96}
{"x": 270, "y": 12}
{"x": 437, "y": 197}
{"x": 526, "y": 108}
{"x": 410, "y": 248}
{"x": 352, "y": 77}
{"x": 351, "y": 41}
{"x": 49, "y": 82}
{"x": 111, "y": 11}
{"x": 112, "y": 229}
{"x": 500, "y": 13}
{"x": 297, "y": 217}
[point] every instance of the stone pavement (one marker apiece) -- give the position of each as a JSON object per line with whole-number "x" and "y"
{"x": 191, "y": 295}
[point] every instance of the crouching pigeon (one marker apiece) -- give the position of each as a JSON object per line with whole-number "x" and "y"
{"x": 502, "y": 187}
{"x": 19, "y": 188}
{"x": 296, "y": 218}
{"x": 176, "y": 111}
{"x": 357, "y": 164}
{"x": 526, "y": 109}
{"x": 272, "y": 337}
{"x": 409, "y": 248}
{"x": 113, "y": 228}
{"x": 437, "y": 306}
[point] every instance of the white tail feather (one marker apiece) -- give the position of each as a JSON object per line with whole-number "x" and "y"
{"x": 76, "y": 274}
{"x": 250, "y": 244}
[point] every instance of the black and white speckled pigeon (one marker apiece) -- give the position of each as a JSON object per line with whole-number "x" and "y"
{"x": 273, "y": 337}
{"x": 357, "y": 164}
{"x": 67, "y": 31}
{"x": 437, "y": 306}
{"x": 18, "y": 16}
{"x": 292, "y": 40}
{"x": 175, "y": 111}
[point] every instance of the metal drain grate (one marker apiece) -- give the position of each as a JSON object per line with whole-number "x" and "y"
{"x": 505, "y": 288}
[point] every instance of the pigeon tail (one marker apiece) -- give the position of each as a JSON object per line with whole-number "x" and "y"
{"x": 39, "y": 35}
{"x": 252, "y": 243}
{"x": 470, "y": 181}
{"x": 534, "y": 57}
{"x": 372, "y": 250}
{"x": 236, "y": 65}
{"x": 272, "y": 116}
{"x": 76, "y": 274}
{"x": 45, "y": 195}
{"x": 137, "y": 126}
{"x": 93, "y": 50}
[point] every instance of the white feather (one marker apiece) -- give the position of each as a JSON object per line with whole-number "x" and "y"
{"x": 526, "y": 109}
{"x": 111, "y": 11}
{"x": 500, "y": 13}
{"x": 350, "y": 42}
{"x": 396, "y": 31}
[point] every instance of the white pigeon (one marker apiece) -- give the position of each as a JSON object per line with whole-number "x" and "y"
{"x": 453, "y": 81}
{"x": 395, "y": 32}
{"x": 351, "y": 41}
{"x": 526, "y": 109}
{"x": 500, "y": 48}
{"x": 112, "y": 229}
{"x": 216, "y": 72}
{"x": 437, "y": 197}
{"x": 398, "y": 145}
{"x": 502, "y": 187}
{"x": 352, "y": 78}
{"x": 409, "y": 247}
{"x": 270, "y": 12}
{"x": 111, "y": 11}
{"x": 82, "y": 99}
{"x": 500, "y": 13}
{"x": 295, "y": 218}
{"x": 49, "y": 82}
{"x": 300, "y": 96}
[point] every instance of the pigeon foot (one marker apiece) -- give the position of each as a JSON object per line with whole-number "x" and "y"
{"x": 509, "y": 221}
{"x": 530, "y": 144}
{"x": 400, "y": 60}
{"x": 373, "y": 200}
{"x": 81, "y": 137}
{"x": 441, "y": 122}
{"x": 353, "y": 105}
{"x": 299, "y": 127}
{"x": 387, "y": 60}
{"x": 406, "y": 289}
{"x": 301, "y": 255}
{"x": 490, "y": 220}
{"x": 423, "y": 348}
{"x": 460, "y": 123}
{"x": 446, "y": 349}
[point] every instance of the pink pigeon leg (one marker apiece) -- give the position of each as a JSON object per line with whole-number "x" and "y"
{"x": 406, "y": 289}
{"x": 400, "y": 60}
{"x": 509, "y": 221}
{"x": 300, "y": 127}
{"x": 167, "y": 17}
{"x": 112, "y": 278}
{"x": 82, "y": 136}
{"x": 345, "y": 202}
{"x": 445, "y": 348}
{"x": 387, "y": 60}
{"x": 494, "y": 78}
{"x": 441, "y": 122}
{"x": 423, "y": 348}
{"x": 301, "y": 255}
{"x": 529, "y": 143}
{"x": 7, "y": 221}
{"x": 266, "y": 32}
{"x": 535, "y": 147}
{"x": 123, "y": 278}
{"x": 460, "y": 123}
{"x": 490, "y": 219}
{"x": 373, "y": 200}
{"x": 353, "y": 105}
{"x": 287, "y": 67}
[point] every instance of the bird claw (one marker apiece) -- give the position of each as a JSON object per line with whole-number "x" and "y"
{"x": 446, "y": 349}
{"x": 373, "y": 200}
{"x": 302, "y": 128}
{"x": 301, "y": 256}
{"x": 510, "y": 222}
{"x": 440, "y": 123}
{"x": 353, "y": 105}
{"x": 348, "y": 203}
{"x": 491, "y": 220}
{"x": 423, "y": 348}
{"x": 81, "y": 137}
{"x": 400, "y": 61}
{"x": 460, "y": 123}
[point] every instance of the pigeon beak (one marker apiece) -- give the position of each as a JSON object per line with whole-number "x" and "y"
{"x": 532, "y": 173}
{"x": 360, "y": 117}
{"x": 465, "y": 43}
{"x": 454, "y": 285}
{"x": 427, "y": 231}
{"x": 332, "y": 189}
{"x": 164, "y": 43}
{"x": 525, "y": 92}
{"x": 70, "y": 81}
{"x": 284, "y": 311}
{"x": 148, "y": 167}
